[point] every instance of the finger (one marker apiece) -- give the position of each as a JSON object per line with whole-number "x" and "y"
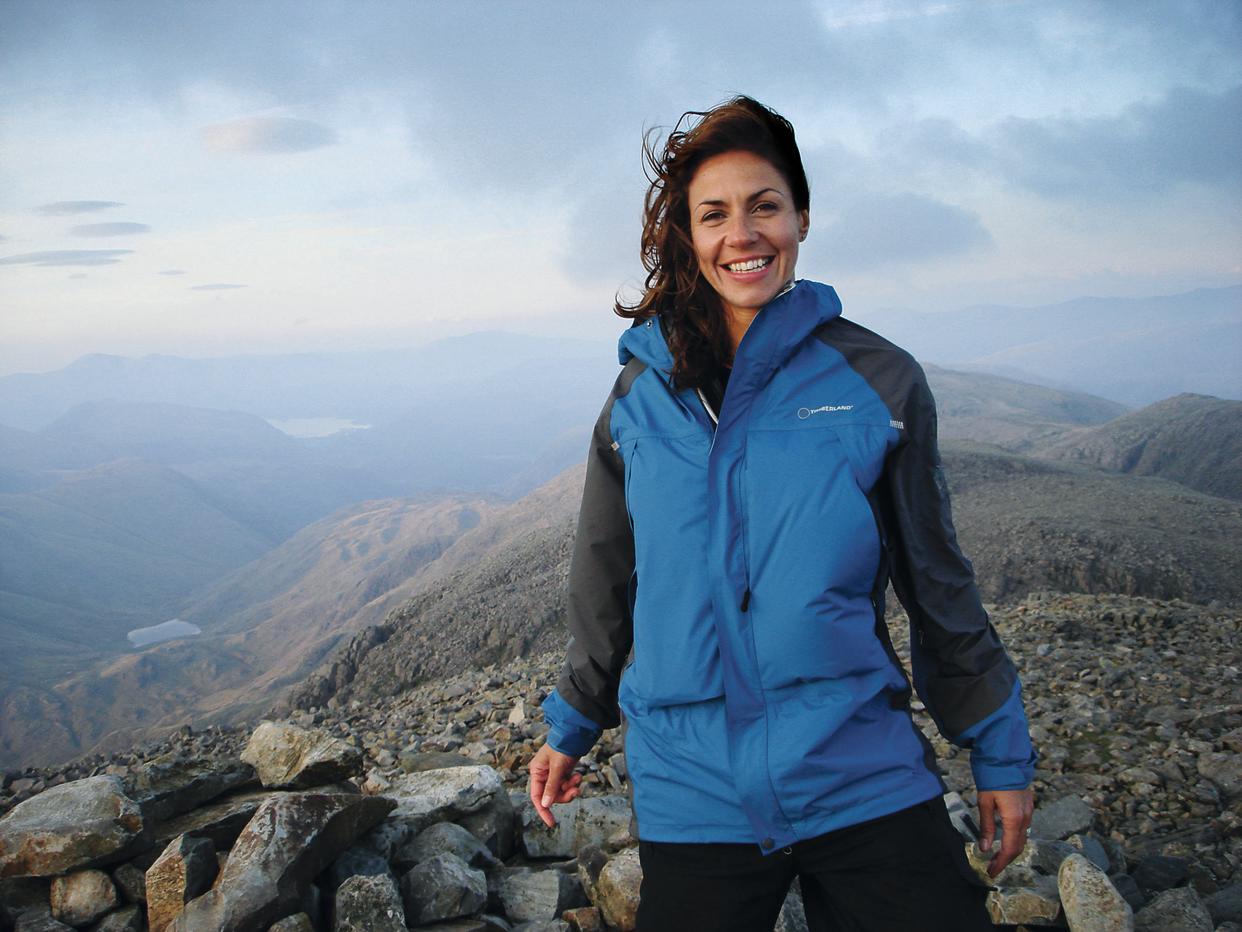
{"x": 556, "y": 779}
{"x": 987, "y": 821}
{"x": 1012, "y": 844}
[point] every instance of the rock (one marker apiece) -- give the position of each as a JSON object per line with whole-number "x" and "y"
{"x": 369, "y": 903}
{"x": 82, "y": 824}
{"x": 591, "y": 862}
{"x": 355, "y": 861}
{"x": 1158, "y": 872}
{"x": 164, "y": 789}
{"x": 125, "y": 919}
{"x": 78, "y": 899}
{"x": 132, "y": 882}
{"x": 1091, "y": 849}
{"x": 1178, "y": 910}
{"x": 617, "y": 890}
{"x": 1225, "y": 770}
{"x": 539, "y": 841}
{"x": 584, "y": 919}
{"x": 599, "y": 818}
{"x": 221, "y": 821}
{"x": 446, "y": 837}
{"x": 1128, "y": 887}
{"x": 268, "y": 874}
{"x": 494, "y": 825}
{"x": 444, "y": 887}
{"x": 39, "y": 922}
{"x": 444, "y": 795}
{"x": 960, "y": 816}
{"x": 421, "y": 761}
{"x": 184, "y": 870}
{"x": 1038, "y": 905}
{"x": 298, "y": 922}
{"x": 792, "y": 917}
{"x": 543, "y": 925}
{"x": 1067, "y": 816}
{"x": 1090, "y": 901}
{"x": 288, "y": 756}
{"x": 1225, "y": 905}
{"x": 528, "y": 894}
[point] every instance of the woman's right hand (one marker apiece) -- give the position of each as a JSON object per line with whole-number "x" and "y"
{"x": 552, "y": 780}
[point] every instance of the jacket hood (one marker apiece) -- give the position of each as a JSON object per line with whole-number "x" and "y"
{"x": 784, "y": 322}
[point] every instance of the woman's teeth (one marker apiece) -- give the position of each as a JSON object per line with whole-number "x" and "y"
{"x": 749, "y": 265}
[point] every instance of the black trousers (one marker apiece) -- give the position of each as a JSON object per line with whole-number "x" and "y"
{"x": 905, "y": 872}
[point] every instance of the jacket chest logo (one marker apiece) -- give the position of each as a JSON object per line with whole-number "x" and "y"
{"x": 804, "y": 413}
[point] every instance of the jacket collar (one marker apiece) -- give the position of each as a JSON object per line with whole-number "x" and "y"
{"x": 782, "y": 324}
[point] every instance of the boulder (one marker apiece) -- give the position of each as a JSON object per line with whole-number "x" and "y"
{"x": 584, "y": 919}
{"x": 221, "y": 820}
{"x": 370, "y": 903}
{"x": 132, "y": 882}
{"x": 1090, "y": 901}
{"x": 1225, "y": 770}
{"x": 539, "y": 841}
{"x": 1091, "y": 849}
{"x": 298, "y": 922}
{"x": 543, "y": 925}
{"x": 444, "y": 887}
{"x": 39, "y": 921}
{"x": 1178, "y": 910}
{"x": 164, "y": 789}
{"x": 125, "y": 919}
{"x": 493, "y": 825}
{"x": 1158, "y": 872}
{"x": 355, "y": 861}
{"x": 78, "y": 899}
{"x": 77, "y": 825}
{"x": 288, "y": 756}
{"x": 446, "y": 837}
{"x": 268, "y": 874}
{"x": 1225, "y": 905}
{"x": 1036, "y": 905}
{"x": 1062, "y": 818}
{"x": 617, "y": 890}
{"x": 528, "y": 894}
{"x": 443, "y": 795}
{"x": 184, "y": 870}
{"x": 599, "y": 818}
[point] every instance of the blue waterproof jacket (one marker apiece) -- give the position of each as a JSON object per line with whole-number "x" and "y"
{"x": 726, "y": 591}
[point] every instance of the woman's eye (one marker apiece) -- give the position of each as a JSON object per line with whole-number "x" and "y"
{"x": 765, "y": 207}
{"x": 711, "y": 216}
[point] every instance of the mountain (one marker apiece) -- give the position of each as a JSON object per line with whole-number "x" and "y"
{"x": 1192, "y": 439}
{"x": 1132, "y": 350}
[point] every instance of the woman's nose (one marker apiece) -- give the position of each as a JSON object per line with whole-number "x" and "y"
{"x": 740, "y": 231}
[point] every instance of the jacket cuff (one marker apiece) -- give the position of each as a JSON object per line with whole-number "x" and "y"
{"x": 1001, "y": 756}
{"x": 569, "y": 731}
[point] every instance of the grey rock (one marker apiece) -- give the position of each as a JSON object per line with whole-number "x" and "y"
{"x": 1225, "y": 905}
{"x": 184, "y": 870}
{"x": 494, "y": 825}
{"x": 78, "y": 899}
{"x": 792, "y": 917}
{"x": 961, "y": 817}
{"x": 370, "y": 903}
{"x": 85, "y": 823}
{"x": 1129, "y": 889}
{"x": 419, "y": 761}
{"x": 164, "y": 789}
{"x": 1037, "y": 905}
{"x": 539, "y": 841}
{"x": 298, "y": 922}
{"x": 221, "y": 821}
{"x": 617, "y": 890}
{"x": 126, "y": 919}
{"x": 269, "y": 870}
{"x": 1062, "y": 818}
{"x": 1090, "y": 902}
{"x": 1091, "y": 849}
{"x": 599, "y": 818}
{"x": 443, "y": 795}
{"x": 591, "y": 862}
{"x": 132, "y": 882}
{"x": 527, "y": 894}
{"x": 355, "y": 861}
{"x": 446, "y": 837}
{"x": 39, "y": 921}
{"x": 444, "y": 887}
{"x": 543, "y": 925}
{"x": 1178, "y": 910}
{"x": 288, "y": 756}
{"x": 1225, "y": 770}
{"x": 1158, "y": 872}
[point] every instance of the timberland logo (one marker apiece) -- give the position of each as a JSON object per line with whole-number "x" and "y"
{"x": 804, "y": 413}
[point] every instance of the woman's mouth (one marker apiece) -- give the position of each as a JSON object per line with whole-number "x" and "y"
{"x": 749, "y": 265}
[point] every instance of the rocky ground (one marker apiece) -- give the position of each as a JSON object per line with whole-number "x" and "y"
{"x": 1135, "y": 707}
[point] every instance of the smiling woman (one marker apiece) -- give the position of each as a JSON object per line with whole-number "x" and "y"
{"x": 761, "y": 470}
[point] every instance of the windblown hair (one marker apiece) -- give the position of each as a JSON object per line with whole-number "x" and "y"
{"x": 689, "y": 307}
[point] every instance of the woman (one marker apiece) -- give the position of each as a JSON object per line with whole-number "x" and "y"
{"x": 761, "y": 470}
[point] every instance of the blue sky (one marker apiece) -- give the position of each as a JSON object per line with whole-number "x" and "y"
{"x": 203, "y": 178}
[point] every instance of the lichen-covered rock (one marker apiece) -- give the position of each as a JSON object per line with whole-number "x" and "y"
{"x": 1062, "y": 818}
{"x": 1037, "y": 905}
{"x": 125, "y": 919}
{"x": 1178, "y": 910}
{"x": 1089, "y": 899}
{"x": 443, "y": 887}
{"x": 77, "y": 825}
{"x": 528, "y": 894}
{"x": 539, "y": 841}
{"x": 221, "y": 820}
{"x": 616, "y": 889}
{"x": 443, "y": 795}
{"x": 131, "y": 880}
{"x": 184, "y": 870}
{"x": 285, "y": 755}
{"x": 164, "y": 789}
{"x": 584, "y": 919}
{"x": 370, "y": 903}
{"x": 268, "y": 874}
{"x": 598, "y": 819}
{"x": 446, "y": 837}
{"x": 78, "y": 899}
{"x": 792, "y": 917}
{"x": 298, "y": 922}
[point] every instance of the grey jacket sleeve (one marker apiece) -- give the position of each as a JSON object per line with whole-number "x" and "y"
{"x": 961, "y": 670}
{"x": 598, "y": 611}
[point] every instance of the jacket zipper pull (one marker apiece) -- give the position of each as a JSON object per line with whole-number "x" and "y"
{"x": 746, "y": 600}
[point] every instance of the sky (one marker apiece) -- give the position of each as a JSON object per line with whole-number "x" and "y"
{"x": 207, "y": 178}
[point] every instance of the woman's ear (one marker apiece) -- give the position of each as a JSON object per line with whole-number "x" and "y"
{"x": 804, "y": 223}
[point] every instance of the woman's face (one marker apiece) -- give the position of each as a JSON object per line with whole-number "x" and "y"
{"x": 745, "y": 229}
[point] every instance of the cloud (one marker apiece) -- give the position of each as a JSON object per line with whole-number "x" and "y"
{"x": 216, "y": 286}
{"x": 877, "y": 229}
{"x": 109, "y": 229}
{"x": 267, "y": 134}
{"x": 172, "y": 272}
{"x": 78, "y": 275}
{"x": 68, "y": 257}
{"x": 66, "y": 208}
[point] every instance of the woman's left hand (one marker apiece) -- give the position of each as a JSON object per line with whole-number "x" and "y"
{"x": 1013, "y": 809}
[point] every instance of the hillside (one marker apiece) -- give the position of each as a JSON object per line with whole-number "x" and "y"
{"x": 1192, "y": 439}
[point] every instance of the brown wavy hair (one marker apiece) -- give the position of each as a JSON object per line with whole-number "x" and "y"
{"x": 689, "y": 308}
